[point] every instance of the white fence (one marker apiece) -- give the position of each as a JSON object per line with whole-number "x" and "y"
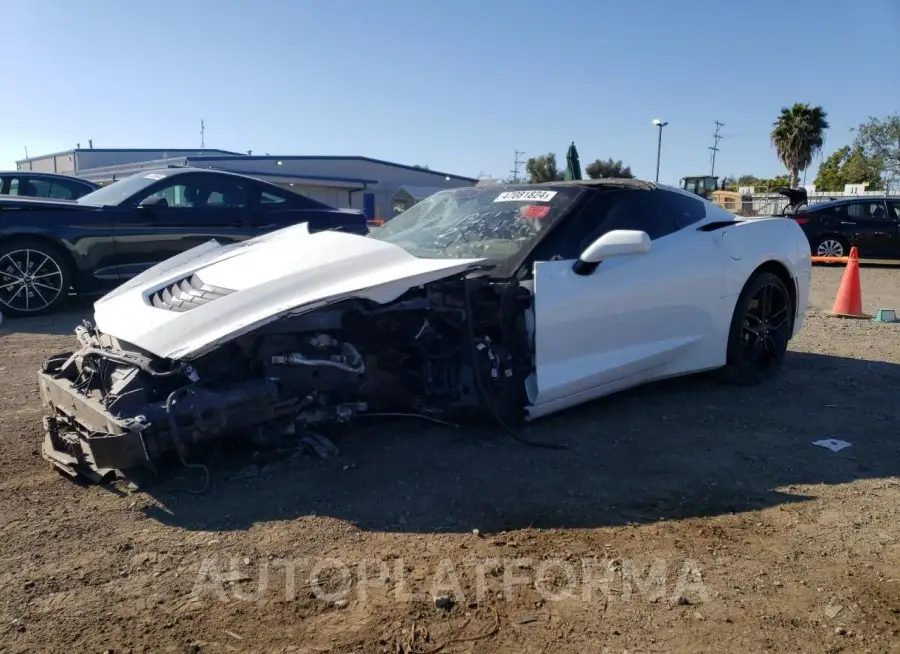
{"x": 765, "y": 204}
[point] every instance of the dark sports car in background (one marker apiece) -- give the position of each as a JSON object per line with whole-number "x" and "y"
{"x": 870, "y": 223}
{"x": 25, "y": 183}
{"x": 94, "y": 243}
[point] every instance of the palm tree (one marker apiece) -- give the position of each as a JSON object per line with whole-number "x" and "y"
{"x": 798, "y": 136}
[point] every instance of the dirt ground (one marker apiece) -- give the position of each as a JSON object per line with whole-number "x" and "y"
{"x": 684, "y": 517}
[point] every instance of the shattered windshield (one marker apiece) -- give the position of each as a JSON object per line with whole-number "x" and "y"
{"x": 494, "y": 223}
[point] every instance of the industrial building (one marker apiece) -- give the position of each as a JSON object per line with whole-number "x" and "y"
{"x": 380, "y": 188}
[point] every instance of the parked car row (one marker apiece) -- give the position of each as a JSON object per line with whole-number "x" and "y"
{"x": 50, "y": 245}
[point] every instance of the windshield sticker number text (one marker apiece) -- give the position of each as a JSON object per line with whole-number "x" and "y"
{"x": 526, "y": 196}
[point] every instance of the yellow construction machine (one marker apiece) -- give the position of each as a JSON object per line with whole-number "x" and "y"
{"x": 707, "y": 186}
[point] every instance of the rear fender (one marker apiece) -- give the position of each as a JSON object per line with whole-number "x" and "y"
{"x": 778, "y": 244}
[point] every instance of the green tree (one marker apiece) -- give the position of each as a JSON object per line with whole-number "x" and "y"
{"x": 880, "y": 139}
{"x": 543, "y": 169}
{"x": 849, "y": 166}
{"x": 862, "y": 169}
{"x": 829, "y": 177}
{"x": 763, "y": 184}
{"x": 608, "y": 169}
{"x": 798, "y": 135}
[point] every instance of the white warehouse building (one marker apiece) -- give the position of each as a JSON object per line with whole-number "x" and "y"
{"x": 380, "y": 188}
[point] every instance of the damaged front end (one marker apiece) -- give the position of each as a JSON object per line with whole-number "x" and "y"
{"x": 451, "y": 350}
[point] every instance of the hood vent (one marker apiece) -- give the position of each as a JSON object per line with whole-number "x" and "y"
{"x": 186, "y": 294}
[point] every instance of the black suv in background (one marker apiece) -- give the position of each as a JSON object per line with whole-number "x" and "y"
{"x": 24, "y": 183}
{"x": 871, "y": 223}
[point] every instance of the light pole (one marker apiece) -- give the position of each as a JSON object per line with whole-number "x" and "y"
{"x": 659, "y": 124}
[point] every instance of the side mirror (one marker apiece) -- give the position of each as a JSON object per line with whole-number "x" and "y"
{"x": 154, "y": 202}
{"x": 616, "y": 243}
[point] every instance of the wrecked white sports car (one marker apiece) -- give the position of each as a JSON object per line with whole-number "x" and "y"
{"x": 508, "y": 303}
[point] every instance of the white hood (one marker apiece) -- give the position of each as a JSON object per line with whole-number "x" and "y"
{"x": 280, "y": 273}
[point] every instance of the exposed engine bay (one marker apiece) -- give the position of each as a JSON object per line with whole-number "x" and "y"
{"x": 457, "y": 349}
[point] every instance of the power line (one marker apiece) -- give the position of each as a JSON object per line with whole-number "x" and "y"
{"x": 516, "y": 164}
{"x": 715, "y": 148}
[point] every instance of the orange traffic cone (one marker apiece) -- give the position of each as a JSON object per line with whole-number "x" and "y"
{"x": 848, "y": 303}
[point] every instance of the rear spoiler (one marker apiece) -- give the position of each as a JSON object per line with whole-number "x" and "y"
{"x": 797, "y": 197}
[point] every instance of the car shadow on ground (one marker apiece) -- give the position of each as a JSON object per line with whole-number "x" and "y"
{"x": 61, "y": 322}
{"x": 677, "y": 449}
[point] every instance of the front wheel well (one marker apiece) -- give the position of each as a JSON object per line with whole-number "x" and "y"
{"x": 50, "y": 243}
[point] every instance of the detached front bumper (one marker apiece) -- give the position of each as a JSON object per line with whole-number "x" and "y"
{"x": 98, "y": 436}
{"x": 82, "y": 439}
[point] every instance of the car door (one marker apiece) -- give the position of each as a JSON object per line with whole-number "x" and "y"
{"x": 635, "y": 317}
{"x": 893, "y": 212}
{"x": 870, "y": 228}
{"x": 179, "y": 213}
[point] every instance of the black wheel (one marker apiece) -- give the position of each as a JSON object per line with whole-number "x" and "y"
{"x": 831, "y": 246}
{"x": 34, "y": 278}
{"x": 760, "y": 330}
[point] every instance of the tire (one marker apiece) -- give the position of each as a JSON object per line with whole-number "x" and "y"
{"x": 45, "y": 283}
{"x": 831, "y": 246}
{"x": 756, "y": 350}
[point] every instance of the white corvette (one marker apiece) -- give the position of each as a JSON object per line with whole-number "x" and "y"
{"x": 505, "y": 302}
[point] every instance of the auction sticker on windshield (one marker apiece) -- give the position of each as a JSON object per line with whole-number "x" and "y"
{"x": 526, "y": 196}
{"x": 535, "y": 211}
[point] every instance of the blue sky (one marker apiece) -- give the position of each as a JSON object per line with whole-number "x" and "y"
{"x": 458, "y": 85}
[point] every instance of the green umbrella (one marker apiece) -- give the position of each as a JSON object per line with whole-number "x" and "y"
{"x": 573, "y": 166}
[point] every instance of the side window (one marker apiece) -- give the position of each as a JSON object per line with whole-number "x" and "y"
{"x": 37, "y": 188}
{"x": 62, "y": 191}
{"x": 894, "y": 209}
{"x": 867, "y": 210}
{"x": 267, "y": 197}
{"x": 221, "y": 194}
{"x": 839, "y": 210}
{"x": 684, "y": 210}
{"x": 175, "y": 196}
{"x": 646, "y": 211}
{"x": 13, "y": 186}
{"x": 212, "y": 195}
{"x": 857, "y": 210}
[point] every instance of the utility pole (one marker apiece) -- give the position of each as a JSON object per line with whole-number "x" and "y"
{"x": 715, "y": 147}
{"x": 516, "y": 164}
{"x": 202, "y": 135}
{"x": 659, "y": 125}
